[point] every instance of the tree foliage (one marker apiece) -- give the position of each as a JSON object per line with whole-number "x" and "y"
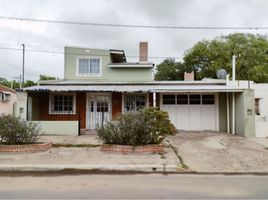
{"x": 28, "y": 83}
{"x": 44, "y": 77}
{"x": 207, "y": 56}
{"x": 169, "y": 69}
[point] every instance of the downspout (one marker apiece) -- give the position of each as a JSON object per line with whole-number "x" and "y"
{"x": 233, "y": 113}
{"x": 233, "y": 95}
{"x": 227, "y": 106}
{"x": 228, "y": 112}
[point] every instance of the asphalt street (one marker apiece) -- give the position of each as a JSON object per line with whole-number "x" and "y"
{"x": 153, "y": 186}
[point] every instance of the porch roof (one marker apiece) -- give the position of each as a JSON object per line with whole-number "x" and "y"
{"x": 165, "y": 88}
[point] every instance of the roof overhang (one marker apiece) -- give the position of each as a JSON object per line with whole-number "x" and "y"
{"x": 133, "y": 88}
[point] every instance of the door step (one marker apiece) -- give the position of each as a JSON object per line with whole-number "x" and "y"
{"x": 88, "y": 132}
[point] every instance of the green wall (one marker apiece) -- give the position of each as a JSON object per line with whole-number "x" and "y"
{"x": 222, "y": 112}
{"x": 245, "y": 113}
{"x": 108, "y": 74}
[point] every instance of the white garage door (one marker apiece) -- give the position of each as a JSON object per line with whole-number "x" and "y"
{"x": 196, "y": 112}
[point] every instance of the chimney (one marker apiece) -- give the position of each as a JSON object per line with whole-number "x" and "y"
{"x": 143, "y": 51}
{"x": 189, "y": 76}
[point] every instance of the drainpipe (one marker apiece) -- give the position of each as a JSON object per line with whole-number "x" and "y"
{"x": 233, "y": 95}
{"x": 233, "y": 113}
{"x": 227, "y": 79}
{"x": 233, "y": 69}
{"x": 228, "y": 112}
{"x": 154, "y": 99}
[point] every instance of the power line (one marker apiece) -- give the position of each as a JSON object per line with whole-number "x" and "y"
{"x": 62, "y": 53}
{"x": 137, "y": 26}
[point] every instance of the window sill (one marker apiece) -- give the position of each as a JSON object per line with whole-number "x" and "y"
{"x": 61, "y": 113}
{"x": 89, "y": 75}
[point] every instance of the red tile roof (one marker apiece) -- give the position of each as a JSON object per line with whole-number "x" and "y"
{"x": 6, "y": 89}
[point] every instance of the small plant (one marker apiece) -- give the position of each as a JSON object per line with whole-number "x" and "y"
{"x": 14, "y": 131}
{"x": 146, "y": 126}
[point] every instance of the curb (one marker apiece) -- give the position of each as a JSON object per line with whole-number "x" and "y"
{"x": 89, "y": 167}
{"x": 109, "y": 169}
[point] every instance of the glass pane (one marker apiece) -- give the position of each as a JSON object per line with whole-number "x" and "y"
{"x": 83, "y": 66}
{"x": 140, "y": 102}
{"x": 130, "y": 103}
{"x": 195, "y": 99}
{"x": 169, "y": 99}
{"x": 63, "y": 103}
{"x": 182, "y": 99}
{"x": 207, "y": 99}
{"x": 94, "y": 65}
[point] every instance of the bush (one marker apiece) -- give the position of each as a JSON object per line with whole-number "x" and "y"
{"x": 146, "y": 126}
{"x": 14, "y": 131}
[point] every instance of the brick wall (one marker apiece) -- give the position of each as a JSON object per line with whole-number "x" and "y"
{"x": 26, "y": 148}
{"x": 81, "y": 107}
{"x": 116, "y": 104}
{"x": 143, "y": 51}
{"x": 189, "y": 76}
{"x": 44, "y": 108}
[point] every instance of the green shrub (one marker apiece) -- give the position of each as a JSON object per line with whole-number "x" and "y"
{"x": 146, "y": 126}
{"x": 14, "y": 131}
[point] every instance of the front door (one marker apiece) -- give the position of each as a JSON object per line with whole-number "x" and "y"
{"x": 98, "y": 110}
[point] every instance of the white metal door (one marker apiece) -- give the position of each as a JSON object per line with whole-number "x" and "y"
{"x": 98, "y": 110}
{"x": 193, "y": 117}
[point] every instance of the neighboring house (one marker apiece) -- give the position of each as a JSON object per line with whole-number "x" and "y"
{"x": 261, "y": 109}
{"x": 100, "y": 84}
{"x": 7, "y": 100}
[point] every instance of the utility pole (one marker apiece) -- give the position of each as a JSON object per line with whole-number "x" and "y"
{"x": 23, "y": 58}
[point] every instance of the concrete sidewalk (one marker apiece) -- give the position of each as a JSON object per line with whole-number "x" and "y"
{"x": 201, "y": 152}
{"x": 87, "y": 158}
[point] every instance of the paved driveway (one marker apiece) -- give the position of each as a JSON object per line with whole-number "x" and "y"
{"x": 220, "y": 152}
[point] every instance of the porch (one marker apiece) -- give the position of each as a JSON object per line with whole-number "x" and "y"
{"x": 75, "y": 113}
{"x": 194, "y": 106}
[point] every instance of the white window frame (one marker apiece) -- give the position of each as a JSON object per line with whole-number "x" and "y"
{"x": 5, "y": 96}
{"x": 51, "y": 104}
{"x": 88, "y": 74}
{"x": 133, "y": 94}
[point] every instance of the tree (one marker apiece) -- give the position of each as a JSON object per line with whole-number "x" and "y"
{"x": 43, "y": 77}
{"x": 4, "y": 81}
{"x": 169, "y": 69}
{"x": 29, "y": 83}
{"x": 207, "y": 56}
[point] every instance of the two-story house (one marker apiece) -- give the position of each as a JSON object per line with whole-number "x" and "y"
{"x": 99, "y": 84}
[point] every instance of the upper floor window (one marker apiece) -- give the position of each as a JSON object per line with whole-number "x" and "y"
{"x": 89, "y": 66}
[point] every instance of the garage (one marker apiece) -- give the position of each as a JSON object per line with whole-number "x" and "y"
{"x": 193, "y": 112}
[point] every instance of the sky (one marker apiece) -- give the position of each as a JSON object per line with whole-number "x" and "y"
{"x": 162, "y": 42}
